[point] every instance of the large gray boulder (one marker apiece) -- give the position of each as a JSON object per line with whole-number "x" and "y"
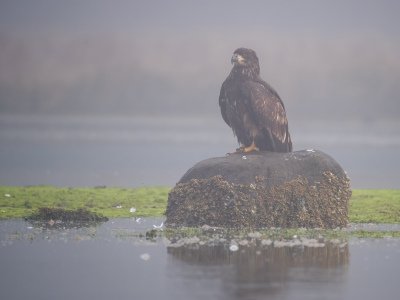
{"x": 262, "y": 189}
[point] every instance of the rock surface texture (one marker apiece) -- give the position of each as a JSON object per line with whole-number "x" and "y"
{"x": 262, "y": 189}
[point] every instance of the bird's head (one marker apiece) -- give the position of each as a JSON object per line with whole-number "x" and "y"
{"x": 245, "y": 58}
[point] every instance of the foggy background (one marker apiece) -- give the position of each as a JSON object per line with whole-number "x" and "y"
{"x": 125, "y": 93}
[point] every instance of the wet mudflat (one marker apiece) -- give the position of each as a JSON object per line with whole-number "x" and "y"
{"x": 135, "y": 259}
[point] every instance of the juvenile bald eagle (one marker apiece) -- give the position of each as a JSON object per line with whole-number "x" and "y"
{"x": 252, "y": 108}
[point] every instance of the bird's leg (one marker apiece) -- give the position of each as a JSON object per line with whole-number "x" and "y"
{"x": 244, "y": 149}
{"x": 239, "y": 150}
{"x": 250, "y": 148}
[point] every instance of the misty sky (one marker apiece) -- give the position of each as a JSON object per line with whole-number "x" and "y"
{"x": 326, "y": 59}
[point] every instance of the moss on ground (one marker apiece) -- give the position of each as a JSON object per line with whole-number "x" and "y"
{"x": 375, "y": 206}
{"x": 17, "y": 202}
{"x": 65, "y": 215}
{"x": 366, "y": 206}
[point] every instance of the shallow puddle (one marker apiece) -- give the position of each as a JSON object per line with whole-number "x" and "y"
{"x": 138, "y": 259}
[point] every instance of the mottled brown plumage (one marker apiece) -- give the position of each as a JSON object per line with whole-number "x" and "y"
{"x": 252, "y": 108}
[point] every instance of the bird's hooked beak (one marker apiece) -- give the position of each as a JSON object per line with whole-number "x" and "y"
{"x": 237, "y": 59}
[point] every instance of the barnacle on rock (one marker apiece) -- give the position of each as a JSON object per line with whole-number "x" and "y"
{"x": 294, "y": 200}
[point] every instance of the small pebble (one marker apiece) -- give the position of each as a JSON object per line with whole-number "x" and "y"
{"x": 243, "y": 242}
{"x": 234, "y": 247}
{"x": 145, "y": 256}
{"x": 266, "y": 242}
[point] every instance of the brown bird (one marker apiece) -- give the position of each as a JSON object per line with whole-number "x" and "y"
{"x": 252, "y": 108}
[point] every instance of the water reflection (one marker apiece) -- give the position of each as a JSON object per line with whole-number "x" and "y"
{"x": 127, "y": 259}
{"x": 331, "y": 254}
{"x": 256, "y": 270}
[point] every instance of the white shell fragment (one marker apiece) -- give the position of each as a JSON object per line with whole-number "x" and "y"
{"x": 159, "y": 226}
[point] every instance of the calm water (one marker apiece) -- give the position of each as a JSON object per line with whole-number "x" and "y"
{"x": 115, "y": 260}
{"x": 136, "y": 151}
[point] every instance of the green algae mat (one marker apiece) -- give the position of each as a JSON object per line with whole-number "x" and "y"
{"x": 16, "y": 202}
{"x": 366, "y": 206}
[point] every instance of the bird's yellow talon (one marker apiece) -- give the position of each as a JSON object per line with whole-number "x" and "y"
{"x": 250, "y": 148}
